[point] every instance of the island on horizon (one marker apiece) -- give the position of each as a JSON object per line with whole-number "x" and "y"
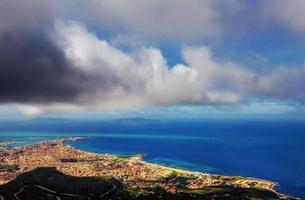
{"x": 55, "y": 170}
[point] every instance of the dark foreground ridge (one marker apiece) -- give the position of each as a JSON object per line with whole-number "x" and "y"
{"x": 48, "y": 184}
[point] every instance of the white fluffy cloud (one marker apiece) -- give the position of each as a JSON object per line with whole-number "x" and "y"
{"x": 139, "y": 78}
{"x": 120, "y": 80}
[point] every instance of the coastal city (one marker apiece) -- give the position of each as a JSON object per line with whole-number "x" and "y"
{"x": 135, "y": 175}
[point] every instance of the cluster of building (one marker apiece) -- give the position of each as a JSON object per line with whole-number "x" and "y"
{"x": 132, "y": 171}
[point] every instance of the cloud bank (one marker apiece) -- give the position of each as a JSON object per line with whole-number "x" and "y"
{"x": 51, "y": 62}
{"x": 108, "y": 78}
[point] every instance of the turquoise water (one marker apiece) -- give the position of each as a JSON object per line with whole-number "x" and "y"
{"x": 267, "y": 149}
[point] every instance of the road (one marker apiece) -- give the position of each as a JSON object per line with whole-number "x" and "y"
{"x": 58, "y": 195}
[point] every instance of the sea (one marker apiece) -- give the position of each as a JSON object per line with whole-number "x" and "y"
{"x": 272, "y": 149}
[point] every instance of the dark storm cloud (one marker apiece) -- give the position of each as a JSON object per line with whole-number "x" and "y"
{"x": 33, "y": 69}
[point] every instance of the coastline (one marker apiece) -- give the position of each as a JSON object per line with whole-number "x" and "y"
{"x": 139, "y": 157}
{"x": 71, "y": 161}
{"x": 164, "y": 167}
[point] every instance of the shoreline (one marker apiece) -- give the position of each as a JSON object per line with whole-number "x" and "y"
{"x": 64, "y": 140}
{"x": 182, "y": 170}
{"x": 144, "y": 169}
{"x": 71, "y": 139}
{"x": 273, "y": 188}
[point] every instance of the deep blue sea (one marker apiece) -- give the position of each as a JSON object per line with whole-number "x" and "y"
{"x": 272, "y": 149}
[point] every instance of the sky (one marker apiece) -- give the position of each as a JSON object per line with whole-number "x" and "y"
{"x": 153, "y": 57}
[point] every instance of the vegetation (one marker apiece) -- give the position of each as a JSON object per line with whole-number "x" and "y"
{"x": 130, "y": 156}
{"x": 180, "y": 179}
{"x": 137, "y": 192}
{"x": 173, "y": 174}
{"x": 48, "y": 183}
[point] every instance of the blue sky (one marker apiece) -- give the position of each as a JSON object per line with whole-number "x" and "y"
{"x": 151, "y": 58}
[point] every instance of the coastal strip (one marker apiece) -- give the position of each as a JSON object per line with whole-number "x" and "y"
{"x": 132, "y": 171}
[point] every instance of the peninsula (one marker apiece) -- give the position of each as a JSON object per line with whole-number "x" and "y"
{"x": 55, "y": 170}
